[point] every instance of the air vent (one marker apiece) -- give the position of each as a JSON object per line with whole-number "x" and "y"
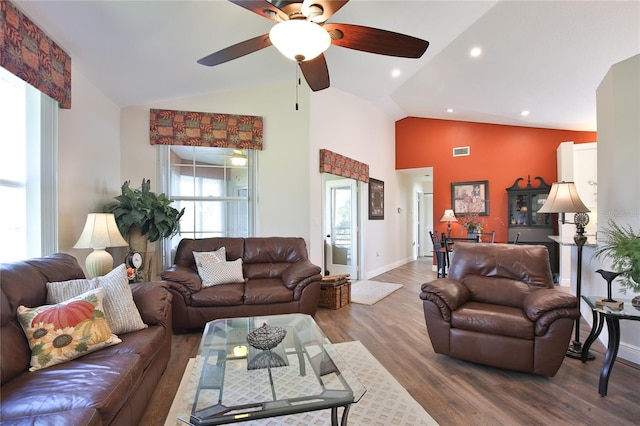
{"x": 461, "y": 151}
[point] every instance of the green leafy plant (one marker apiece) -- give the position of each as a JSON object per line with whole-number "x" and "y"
{"x": 149, "y": 212}
{"x": 621, "y": 245}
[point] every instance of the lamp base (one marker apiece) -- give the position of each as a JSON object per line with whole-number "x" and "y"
{"x": 575, "y": 351}
{"x": 99, "y": 263}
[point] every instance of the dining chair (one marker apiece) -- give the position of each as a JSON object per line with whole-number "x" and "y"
{"x": 440, "y": 254}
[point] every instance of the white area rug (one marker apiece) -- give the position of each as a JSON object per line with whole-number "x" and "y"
{"x": 385, "y": 403}
{"x": 368, "y": 292}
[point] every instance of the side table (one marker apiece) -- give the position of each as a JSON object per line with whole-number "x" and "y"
{"x": 612, "y": 317}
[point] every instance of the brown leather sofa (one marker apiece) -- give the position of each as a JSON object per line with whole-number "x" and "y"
{"x": 499, "y": 307}
{"x": 279, "y": 279}
{"x": 111, "y": 386}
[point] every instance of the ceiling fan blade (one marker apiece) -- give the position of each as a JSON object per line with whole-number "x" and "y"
{"x": 236, "y": 51}
{"x": 316, "y": 73}
{"x": 262, "y": 8}
{"x": 374, "y": 40}
{"x": 329, "y": 7}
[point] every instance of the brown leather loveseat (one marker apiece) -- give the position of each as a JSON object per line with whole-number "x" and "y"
{"x": 277, "y": 278}
{"x": 498, "y": 307}
{"x": 110, "y": 386}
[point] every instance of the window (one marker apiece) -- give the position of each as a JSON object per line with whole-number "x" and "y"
{"x": 28, "y": 157}
{"x": 215, "y": 186}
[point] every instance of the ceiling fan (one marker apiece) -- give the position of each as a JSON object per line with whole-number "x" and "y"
{"x": 302, "y": 34}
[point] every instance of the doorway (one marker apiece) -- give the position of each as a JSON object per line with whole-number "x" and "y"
{"x": 340, "y": 226}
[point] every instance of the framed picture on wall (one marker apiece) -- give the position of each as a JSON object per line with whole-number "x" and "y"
{"x": 376, "y": 199}
{"x": 470, "y": 198}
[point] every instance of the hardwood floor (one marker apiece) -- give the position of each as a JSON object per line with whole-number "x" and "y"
{"x": 452, "y": 391}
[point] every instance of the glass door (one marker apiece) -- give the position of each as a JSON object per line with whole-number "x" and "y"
{"x": 341, "y": 226}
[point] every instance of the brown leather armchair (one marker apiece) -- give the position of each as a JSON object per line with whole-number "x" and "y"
{"x": 498, "y": 307}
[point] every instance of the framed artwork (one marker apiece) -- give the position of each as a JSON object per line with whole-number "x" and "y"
{"x": 470, "y": 198}
{"x": 376, "y": 199}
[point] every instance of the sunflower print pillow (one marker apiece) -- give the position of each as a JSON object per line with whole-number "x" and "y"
{"x": 67, "y": 330}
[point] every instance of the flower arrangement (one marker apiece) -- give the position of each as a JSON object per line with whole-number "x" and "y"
{"x": 133, "y": 275}
{"x": 470, "y": 219}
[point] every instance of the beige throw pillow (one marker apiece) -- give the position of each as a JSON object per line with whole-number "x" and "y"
{"x": 213, "y": 268}
{"x": 120, "y": 310}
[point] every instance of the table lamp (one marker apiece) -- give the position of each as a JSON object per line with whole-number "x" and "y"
{"x": 563, "y": 198}
{"x": 100, "y": 231}
{"x": 448, "y": 216}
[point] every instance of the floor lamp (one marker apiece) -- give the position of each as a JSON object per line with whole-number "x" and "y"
{"x": 448, "y": 216}
{"x": 563, "y": 198}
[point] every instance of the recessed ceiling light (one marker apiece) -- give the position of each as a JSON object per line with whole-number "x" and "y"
{"x": 449, "y": 110}
{"x": 475, "y": 52}
{"x": 524, "y": 113}
{"x": 395, "y": 73}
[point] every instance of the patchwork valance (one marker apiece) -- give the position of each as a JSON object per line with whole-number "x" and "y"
{"x": 27, "y": 52}
{"x": 339, "y": 165}
{"x": 169, "y": 127}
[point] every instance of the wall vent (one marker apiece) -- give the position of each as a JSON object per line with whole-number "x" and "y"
{"x": 461, "y": 151}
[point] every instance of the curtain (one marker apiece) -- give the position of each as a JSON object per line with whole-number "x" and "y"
{"x": 27, "y": 52}
{"x": 339, "y": 165}
{"x": 169, "y": 127}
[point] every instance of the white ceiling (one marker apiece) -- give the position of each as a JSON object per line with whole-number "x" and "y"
{"x": 545, "y": 56}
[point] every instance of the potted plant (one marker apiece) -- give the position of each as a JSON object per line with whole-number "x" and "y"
{"x": 143, "y": 216}
{"x": 621, "y": 245}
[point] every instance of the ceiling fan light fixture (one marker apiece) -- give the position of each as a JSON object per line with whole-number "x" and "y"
{"x": 299, "y": 40}
{"x": 238, "y": 159}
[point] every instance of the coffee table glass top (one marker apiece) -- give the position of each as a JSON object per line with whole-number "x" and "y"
{"x": 237, "y": 382}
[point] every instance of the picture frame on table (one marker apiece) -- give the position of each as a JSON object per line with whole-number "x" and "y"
{"x": 470, "y": 198}
{"x": 376, "y": 199}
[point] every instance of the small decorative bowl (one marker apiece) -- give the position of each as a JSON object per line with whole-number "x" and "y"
{"x": 266, "y": 337}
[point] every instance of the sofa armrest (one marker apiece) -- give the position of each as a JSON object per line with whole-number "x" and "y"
{"x": 539, "y": 302}
{"x": 299, "y": 273}
{"x": 447, "y": 294}
{"x": 181, "y": 278}
{"x": 153, "y": 301}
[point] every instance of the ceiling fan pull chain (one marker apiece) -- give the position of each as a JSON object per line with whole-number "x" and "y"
{"x": 297, "y": 83}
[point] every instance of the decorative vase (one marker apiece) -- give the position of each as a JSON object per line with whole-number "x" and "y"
{"x": 141, "y": 244}
{"x": 473, "y": 234}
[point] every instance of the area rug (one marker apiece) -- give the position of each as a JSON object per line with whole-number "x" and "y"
{"x": 368, "y": 292}
{"x": 386, "y": 402}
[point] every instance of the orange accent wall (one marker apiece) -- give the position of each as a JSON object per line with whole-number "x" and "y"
{"x": 499, "y": 154}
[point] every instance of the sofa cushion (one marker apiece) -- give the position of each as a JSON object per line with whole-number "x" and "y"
{"x": 96, "y": 380}
{"x": 213, "y": 272}
{"x": 493, "y": 319}
{"x": 496, "y": 290}
{"x": 266, "y": 291}
{"x": 68, "y": 330}
{"x": 220, "y": 295}
{"x": 119, "y": 308}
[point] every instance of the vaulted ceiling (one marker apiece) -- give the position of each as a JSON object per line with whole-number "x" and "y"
{"x": 547, "y": 57}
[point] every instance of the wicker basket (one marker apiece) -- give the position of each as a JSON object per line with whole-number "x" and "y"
{"x": 335, "y": 297}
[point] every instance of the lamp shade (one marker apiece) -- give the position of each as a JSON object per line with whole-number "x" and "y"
{"x": 100, "y": 231}
{"x": 563, "y": 198}
{"x": 299, "y": 40}
{"x": 448, "y": 216}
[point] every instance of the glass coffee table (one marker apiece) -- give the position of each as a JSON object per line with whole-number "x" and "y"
{"x": 236, "y": 382}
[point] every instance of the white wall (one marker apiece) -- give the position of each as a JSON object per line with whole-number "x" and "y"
{"x": 353, "y": 127}
{"x": 618, "y": 103}
{"x": 88, "y": 160}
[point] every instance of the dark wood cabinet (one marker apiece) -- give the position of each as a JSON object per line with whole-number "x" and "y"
{"x": 534, "y": 228}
